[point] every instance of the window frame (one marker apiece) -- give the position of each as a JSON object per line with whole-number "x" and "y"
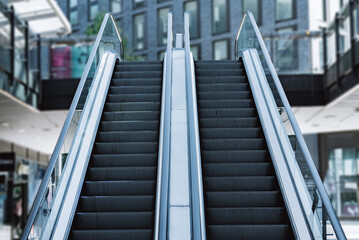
{"x": 69, "y": 12}
{"x": 121, "y": 7}
{"x": 144, "y": 31}
{"x": 294, "y": 12}
{"x": 157, "y": 21}
{"x": 198, "y": 17}
{"x": 259, "y": 7}
{"x": 228, "y": 48}
{"x": 89, "y": 10}
{"x": 228, "y": 22}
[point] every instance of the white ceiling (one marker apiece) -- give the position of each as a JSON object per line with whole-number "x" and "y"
{"x": 24, "y": 126}
{"x": 44, "y": 16}
{"x": 340, "y": 115}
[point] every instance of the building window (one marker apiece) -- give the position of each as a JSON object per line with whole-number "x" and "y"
{"x": 286, "y": 51}
{"x": 72, "y": 12}
{"x": 220, "y": 16}
{"x": 220, "y": 50}
{"x": 138, "y": 3}
{"x": 195, "y": 52}
{"x": 162, "y": 16}
{"x": 284, "y": 10}
{"x": 192, "y": 9}
{"x": 92, "y": 9}
{"x": 255, "y": 7}
{"x": 139, "y": 32}
{"x": 342, "y": 181}
{"x": 116, "y": 6}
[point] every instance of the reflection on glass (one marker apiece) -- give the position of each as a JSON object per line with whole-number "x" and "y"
{"x": 286, "y": 52}
{"x": 161, "y": 55}
{"x": 253, "y": 6}
{"x": 139, "y": 32}
{"x": 73, "y": 12}
{"x": 162, "y": 16}
{"x": 195, "y": 52}
{"x": 219, "y": 16}
{"x": 284, "y": 9}
{"x": 220, "y": 49}
{"x": 138, "y": 3}
{"x": 192, "y": 10}
{"x": 116, "y": 6}
{"x": 342, "y": 181}
{"x": 92, "y": 9}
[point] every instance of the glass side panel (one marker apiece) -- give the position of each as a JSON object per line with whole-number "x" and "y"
{"x": 108, "y": 41}
{"x": 307, "y": 192}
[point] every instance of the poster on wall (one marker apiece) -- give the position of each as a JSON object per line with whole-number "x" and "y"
{"x": 61, "y": 62}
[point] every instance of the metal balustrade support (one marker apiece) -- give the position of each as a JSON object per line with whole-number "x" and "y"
{"x": 337, "y": 46}
{"x": 324, "y": 219}
{"x": 325, "y": 62}
{"x": 38, "y": 80}
{"x": 26, "y": 60}
{"x": 352, "y": 33}
{"x": 12, "y": 42}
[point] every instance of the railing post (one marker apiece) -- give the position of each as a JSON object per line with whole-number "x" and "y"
{"x": 325, "y": 53}
{"x": 27, "y": 64}
{"x": 352, "y": 33}
{"x": 38, "y": 81}
{"x": 12, "y": 42}
{"x": 337, "y": 45}
{"x": 324, "y": 222}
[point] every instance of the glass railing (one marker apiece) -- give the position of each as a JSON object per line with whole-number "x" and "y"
{"x": 320, "y": 215}
{"x": 19, "y": 57}
{"x": 296, "y": 52}
{"x": 108, "y": 39}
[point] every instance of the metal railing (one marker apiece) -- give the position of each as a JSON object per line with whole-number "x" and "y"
{"x": 108, "y": 39}
{"x": 162, "y": 191}
{"x": 249, "y": 37}
{"x": 199, "y": 225}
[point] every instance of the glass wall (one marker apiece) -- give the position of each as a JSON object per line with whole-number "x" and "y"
{"x": 92, "y": 9}
{"x": 192, "y": 9}
{"x": 254, "y": 7}
{"x": 72, "y": 12}
{"x": 139, "y": 32}
{"x": 220, "y": 50}
{"x": 342, "y": 181}
{"x": 162, "y": 16}
{"x": 287, "y": 52}
{"x": 219, "y": 16}
{"x": 284, "y": 9}
{"x": 116, "y": 6}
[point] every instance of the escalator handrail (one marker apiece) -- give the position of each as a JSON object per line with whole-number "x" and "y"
{"x": 54, "y": 157}
{"x": 195, "y": 150}
{"x": 308, "y": 158}
{"x": 160, "y": 223}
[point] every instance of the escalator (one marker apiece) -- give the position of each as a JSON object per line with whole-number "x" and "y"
{"x": 118, "y": 195}
{"x": 242, "y": 198}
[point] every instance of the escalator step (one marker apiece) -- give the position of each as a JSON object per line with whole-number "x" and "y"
{"x": 262, "y": 183}
{"x": 220, "y": 133}
{"x": 130, "y": 115}
{"x": 134, "y": 74}
{"x": 119, "y": 188}
{"x": 127, "y": 136}
{"x": 132, "y": 106}
{"x": 222, "y": 113}
{"x": 131, "y": 234}
{"x": 225, "y": 95}
{"x": 139, "y": 97}
{"x": 137, "y": 82}
{"x": 123, "y": 160}
{"x": 142, "y": 67}
{"x": 126, "y": 203}
{"x": 214, "y": 87}
{"x": 221, "y": 79}
{"x": 234, "y": 144}
{"x": 114, "y": 220}
{"x": 125, "y": 147}
{"x": 253, "y": 232}
{"x": 243, "y": 215}
{"x": 122, "y": 173}
{"x": 209, "y": 65}
{"x": 232, "y": 156}
{"x": 220, "y": 72}
{"x": 129, "y": 125}
{"x": 225, "y": 199}
{"x": 243, "y": 103}
{"x": 134, "y": 89}
{"x": 229, "y": 122}
{"x": 237, "y": 169}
